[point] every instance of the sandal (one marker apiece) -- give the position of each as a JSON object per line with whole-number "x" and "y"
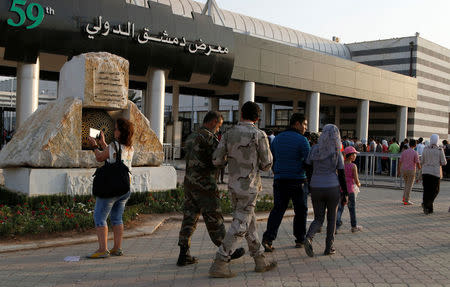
{"x": 116, "y": 252}
{"x": 98, "y": 255}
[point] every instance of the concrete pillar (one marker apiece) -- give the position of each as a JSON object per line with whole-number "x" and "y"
{"x": 272, "y": 116}
{"x": 362, "y": 123}
{"x": 313, "y": 108}
{"x": 196, "y": 117}
{"x": 295, "y": 106}
{"x": 266, "y": 115}
{"x": 214, "y": 104}
{"x": 337, "y": 116}
{"x": 175, "y": 109}
{"x": 27, "y": 96}
{"x": 402, "y": 123}
{"x": 247, "y": 94}
{"x": 154, "y": 102}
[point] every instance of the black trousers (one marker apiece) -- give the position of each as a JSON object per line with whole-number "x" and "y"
{"x": 283, "y": 191}
{"x": 431, "y": 185}
{"x": 324, "y": 199}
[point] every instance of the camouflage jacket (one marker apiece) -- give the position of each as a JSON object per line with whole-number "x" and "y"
{"x": 246, "y": 150}
{"x": 200, "y": 170}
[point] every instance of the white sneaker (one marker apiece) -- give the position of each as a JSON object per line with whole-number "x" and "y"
{"x": 357, "y": 228}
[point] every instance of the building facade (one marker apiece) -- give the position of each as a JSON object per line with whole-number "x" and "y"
{"x": 424, "y": 60}
{"x": 238, "y": 58}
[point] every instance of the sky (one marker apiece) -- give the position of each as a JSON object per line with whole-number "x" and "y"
{"x": 353, "y": 20}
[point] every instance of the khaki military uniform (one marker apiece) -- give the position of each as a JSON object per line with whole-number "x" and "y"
{"x": 200, "y": 189}
{"x": 245, "y": 149}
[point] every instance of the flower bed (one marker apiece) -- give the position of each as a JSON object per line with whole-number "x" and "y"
{"x": 21, "y": 215}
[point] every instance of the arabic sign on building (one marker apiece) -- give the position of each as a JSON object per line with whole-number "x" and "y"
{"x": 152, "y": 37}
{"x": 103, "y": 29}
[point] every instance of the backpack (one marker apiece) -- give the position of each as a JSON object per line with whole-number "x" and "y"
{"x": 112, "y": 179}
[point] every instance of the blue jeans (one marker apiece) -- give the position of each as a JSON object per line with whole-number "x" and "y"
{"x": 379, "y": 166}
{"x": 283, "y": 191}
{"x": 394, "y": 168}
{"x": 351, "y": 209}
{"x": 114, "y": 206}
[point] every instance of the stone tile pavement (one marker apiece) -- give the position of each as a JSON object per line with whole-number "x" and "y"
{"x": 400, "y": 246}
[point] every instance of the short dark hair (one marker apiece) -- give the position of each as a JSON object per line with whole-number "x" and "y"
{"x": 420, "y": 140}
{"x": 126, "y": 130}
{"x": 296, "y": 117}
{"x": 412, "y": 142}
{"x": 250, "y": 111}
{"x": 211, "y": 116}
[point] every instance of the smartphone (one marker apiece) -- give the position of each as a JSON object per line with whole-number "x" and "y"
{"x": 94, "y": 133}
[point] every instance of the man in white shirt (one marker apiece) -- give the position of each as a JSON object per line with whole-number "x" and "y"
{"x": 420, "y": 146}
{"x": 271, "y": 136}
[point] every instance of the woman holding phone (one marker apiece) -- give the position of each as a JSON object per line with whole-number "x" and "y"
{"x": 123, "y": 133}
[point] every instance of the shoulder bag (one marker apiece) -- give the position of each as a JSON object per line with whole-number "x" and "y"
{"x": 112, "y": 179}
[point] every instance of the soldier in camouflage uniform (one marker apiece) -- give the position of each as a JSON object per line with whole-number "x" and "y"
{"x": 246, "y": 150}
{"x": 200, "y": 188}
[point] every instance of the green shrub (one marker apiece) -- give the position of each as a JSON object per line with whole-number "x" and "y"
{"x": 20, "y": 214}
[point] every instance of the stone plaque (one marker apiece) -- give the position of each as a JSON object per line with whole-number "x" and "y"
{"x": 108, "y": 85}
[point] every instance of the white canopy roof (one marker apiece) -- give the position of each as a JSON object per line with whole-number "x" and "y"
{"x": 255, "y": 27}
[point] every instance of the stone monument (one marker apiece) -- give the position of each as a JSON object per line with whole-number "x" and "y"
{"x": 49, "y": 152}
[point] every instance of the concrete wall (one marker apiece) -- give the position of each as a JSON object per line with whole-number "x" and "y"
{"x": 272, "y": 63}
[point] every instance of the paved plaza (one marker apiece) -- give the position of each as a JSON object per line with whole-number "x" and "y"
{"x": 400, "y": 246}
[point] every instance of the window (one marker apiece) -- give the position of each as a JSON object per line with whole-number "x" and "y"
{"x": 185, "y": 115}
{"x": 201, "y": 116}
{"x": 282, "y": 117}
{"x": 226, "y": 115}
{"x": 142, "y": 3}
{"x": 236, "y": 118}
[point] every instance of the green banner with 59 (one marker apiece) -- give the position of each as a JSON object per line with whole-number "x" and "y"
{"x": 33, "y": 12}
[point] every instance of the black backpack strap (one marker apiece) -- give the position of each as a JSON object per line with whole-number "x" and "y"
{"x": 118, "y": 153}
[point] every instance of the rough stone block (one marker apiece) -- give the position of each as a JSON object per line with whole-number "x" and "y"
{"x": 100, "y": 80}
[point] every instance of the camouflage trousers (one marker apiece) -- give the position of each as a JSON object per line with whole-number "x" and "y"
{"x": 243, "y": 225}
{"x": 206, "y": 203}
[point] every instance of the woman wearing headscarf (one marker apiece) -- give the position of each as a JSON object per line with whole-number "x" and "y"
{"x": 433, "y": 158}
{"x": 325, "y": 185}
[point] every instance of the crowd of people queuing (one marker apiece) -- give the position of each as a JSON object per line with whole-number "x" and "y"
{"x": 322, "y": 165}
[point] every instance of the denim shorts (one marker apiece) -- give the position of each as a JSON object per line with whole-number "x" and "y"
{"x": 114, "y": 206}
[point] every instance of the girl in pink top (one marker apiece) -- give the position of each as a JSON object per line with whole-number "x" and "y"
{"x": 353, "y": 184}
{"x": 409, "y": 160}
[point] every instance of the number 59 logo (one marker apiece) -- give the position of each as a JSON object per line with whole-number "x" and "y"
{"x": 34, "y": 12}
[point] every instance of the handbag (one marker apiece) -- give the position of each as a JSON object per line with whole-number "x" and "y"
{"x": 112, "y": 179}
{"x": 355, "y": 189}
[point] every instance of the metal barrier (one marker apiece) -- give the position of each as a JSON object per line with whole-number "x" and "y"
{"x": 370, "y": 163}
{"x": 170, "y": 153}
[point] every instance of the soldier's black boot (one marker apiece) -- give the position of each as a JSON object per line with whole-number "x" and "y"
{"x": 238, "y": 253}
{"x": 185, "y": 257}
